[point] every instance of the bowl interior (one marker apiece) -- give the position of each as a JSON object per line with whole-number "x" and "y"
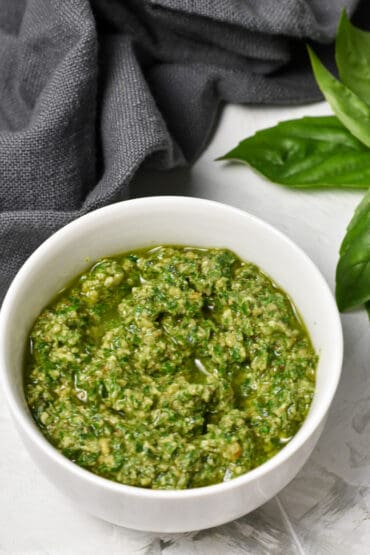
{"x": 169, "y": 220}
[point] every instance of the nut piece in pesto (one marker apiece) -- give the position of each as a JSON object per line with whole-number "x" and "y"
{"x": 170, "y": 368}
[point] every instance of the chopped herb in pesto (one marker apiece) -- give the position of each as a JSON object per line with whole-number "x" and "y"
{"x": 174, "y": 367}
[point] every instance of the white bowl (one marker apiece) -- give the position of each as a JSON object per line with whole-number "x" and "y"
{"x": 169, "y": 220}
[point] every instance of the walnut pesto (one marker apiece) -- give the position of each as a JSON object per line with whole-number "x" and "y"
{"x": 174, "y": 367}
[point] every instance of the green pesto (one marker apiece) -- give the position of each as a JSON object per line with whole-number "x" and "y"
{"x": 169, "y": 368}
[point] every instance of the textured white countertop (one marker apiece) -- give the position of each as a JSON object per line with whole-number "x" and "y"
{"x": 326, "y": 509}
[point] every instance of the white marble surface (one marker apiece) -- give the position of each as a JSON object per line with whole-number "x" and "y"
{"x": 326, "y": 509}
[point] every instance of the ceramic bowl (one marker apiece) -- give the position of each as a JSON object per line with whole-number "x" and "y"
{"x": 169, "y": 220}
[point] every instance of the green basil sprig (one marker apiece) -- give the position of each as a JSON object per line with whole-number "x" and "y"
{"x": 352, "y": 111}
{"x": 353, "y": 269}
{"x": 352, "y": 55}
{"x": 329, "y": 152}
{"x": 307, "y": 152}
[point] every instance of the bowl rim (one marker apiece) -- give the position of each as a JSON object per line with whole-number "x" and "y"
{"x": 24, "y": 418}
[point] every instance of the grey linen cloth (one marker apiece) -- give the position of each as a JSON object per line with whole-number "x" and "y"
{"x": 92, "y": 91}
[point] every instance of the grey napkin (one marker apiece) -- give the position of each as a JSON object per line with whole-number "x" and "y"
{"x": 92, "y": 91}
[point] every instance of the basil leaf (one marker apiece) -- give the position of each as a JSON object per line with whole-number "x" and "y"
{"x": 307, "y": 152}
{"x": 353, "y": 269}
{"x": 352, "y": 54}
{"x": 353, "y": 112}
